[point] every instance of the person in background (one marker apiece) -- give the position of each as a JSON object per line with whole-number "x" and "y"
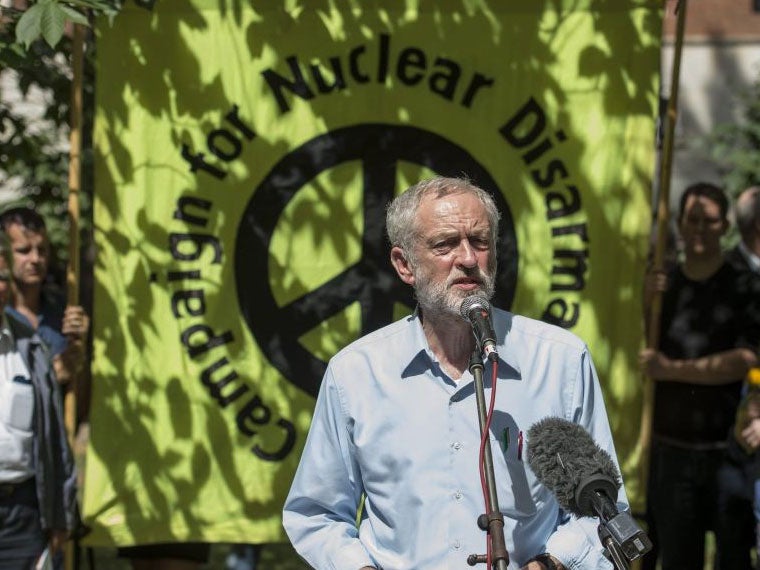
{"x": 63, "y": 328}
{"x": 709, "y": 333}
{"x": 38, "y": 507}
{"x": 396, "y": 422}
{"x": 746, "y": 255}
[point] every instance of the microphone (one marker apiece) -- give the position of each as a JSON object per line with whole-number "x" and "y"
{"x": 477, "y": 310}
{"x": 583, "y": 478}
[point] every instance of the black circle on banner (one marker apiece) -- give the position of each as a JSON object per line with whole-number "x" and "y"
{"x": 372, "y": 281}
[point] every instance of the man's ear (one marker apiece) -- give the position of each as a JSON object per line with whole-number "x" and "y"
{"x": 401, "y": 265}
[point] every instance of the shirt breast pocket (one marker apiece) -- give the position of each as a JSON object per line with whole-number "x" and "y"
{"x": 514, "y": 479}
{"x": 17, "y": 404}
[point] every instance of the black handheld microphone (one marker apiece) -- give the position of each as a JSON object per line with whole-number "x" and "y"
{"x": 477, "y": 310}
{"x": 583, "y": 478}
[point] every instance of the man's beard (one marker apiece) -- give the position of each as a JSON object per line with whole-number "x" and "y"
{"x": 440, "y": 298}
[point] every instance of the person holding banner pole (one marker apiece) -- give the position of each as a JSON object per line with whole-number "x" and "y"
{"x": 38, "y": 508}
{"x": 396, "y": 423}
{"x": 62, "y": 327}
{"x": 662, "y": 221}
{"x": 709, "y": 331}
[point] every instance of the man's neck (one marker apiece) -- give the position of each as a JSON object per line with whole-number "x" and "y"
{"x": 28, "y": 301}
{"x": 451, "y": 340}
{"x": 698, "y": 268}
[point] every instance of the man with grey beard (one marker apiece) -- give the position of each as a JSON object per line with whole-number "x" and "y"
{"x": 390, "y": 473}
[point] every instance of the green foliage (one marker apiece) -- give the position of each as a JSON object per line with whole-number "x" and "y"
{"x": 735, "y": 146}
{"x": 34, "y": 150}
{"x": 47, "y": 19}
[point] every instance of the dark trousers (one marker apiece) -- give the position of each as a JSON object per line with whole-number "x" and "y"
{"x": 693, "y": 491}
{"x": 736, "y": 518}
{"x": 22, "y": 539}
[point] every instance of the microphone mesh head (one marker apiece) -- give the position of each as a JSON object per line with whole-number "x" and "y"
{"x": 563, "y": 455}
{"x": 471, "y": 302}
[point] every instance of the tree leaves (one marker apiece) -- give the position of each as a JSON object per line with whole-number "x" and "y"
{"x": 74, "y": 16}
{"x": 34, "y": 131}
{"x": 47, "y": 19}
{"x": 735, "y": 146}
{"x": 33, "y": 148}
{"x": 52, "y": 21}
{"x": 29, "y": 26}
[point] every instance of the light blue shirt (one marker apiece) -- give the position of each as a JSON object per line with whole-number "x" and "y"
{"x": 390, "y": 423}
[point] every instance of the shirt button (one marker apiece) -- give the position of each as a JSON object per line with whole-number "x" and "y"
{"x": 458, "y": 495}
{"x": 456, "y": 545}
{"x": 457, "y": 445}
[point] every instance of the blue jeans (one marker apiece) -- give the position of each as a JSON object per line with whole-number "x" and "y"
{"x": 22, "y": 539}
{"x": 693, "y": 491}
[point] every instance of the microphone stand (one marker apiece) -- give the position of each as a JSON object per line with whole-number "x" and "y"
{"x": 493, "y": 520}
{"x": 616, "y": 556}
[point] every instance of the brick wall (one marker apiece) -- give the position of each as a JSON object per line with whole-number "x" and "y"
{"x": 717, "y": 20}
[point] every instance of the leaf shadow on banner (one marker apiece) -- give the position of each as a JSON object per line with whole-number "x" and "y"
{"x": 135, "y": 456}
{"x": 616, "y": 311}
{"x": 171, "y": 491}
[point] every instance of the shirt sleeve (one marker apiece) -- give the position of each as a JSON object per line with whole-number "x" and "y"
{"x": 576, "y": 541}
{"x": 320, "y": 511}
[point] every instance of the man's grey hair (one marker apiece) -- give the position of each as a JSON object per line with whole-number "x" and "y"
{"x": 401, "y": 217}
{"x": 747, "y": 210}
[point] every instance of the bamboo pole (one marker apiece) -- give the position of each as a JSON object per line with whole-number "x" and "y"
{"x": 75, "y": 176}
{"x": 662, "y": 220}
{"x": 72, "y": 270}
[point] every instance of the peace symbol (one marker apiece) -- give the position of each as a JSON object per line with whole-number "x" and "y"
{"x": 372, "y": 282}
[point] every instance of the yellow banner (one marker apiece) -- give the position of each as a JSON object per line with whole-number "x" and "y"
{"x": 244, "y": 158}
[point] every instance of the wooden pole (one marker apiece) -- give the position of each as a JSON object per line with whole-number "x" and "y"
{"x": 662, "y": 220}
{"x": 72, "y": 271}
{"x": 75, "y": 177}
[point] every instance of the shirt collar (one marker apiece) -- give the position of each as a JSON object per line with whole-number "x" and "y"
{"x": 753, "y": 260}
{"x": 416, "y": 352}
{"x": 6, "y": 338}
{"x": 419, "y": 358}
